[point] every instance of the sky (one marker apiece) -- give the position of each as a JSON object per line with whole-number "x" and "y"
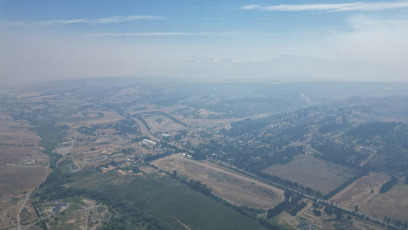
{"x": 210, "y": 40}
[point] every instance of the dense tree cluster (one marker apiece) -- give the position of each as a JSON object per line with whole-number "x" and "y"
{"x": 255, "y": 144}
{"x": 152, "y": 157}
{"x": 388, "y": 185}
{"x": 125, "y": 126}
{"x": 141, "y": 119}
{"x": 292, "y": 204}
{"x": 87, "y": 130}
{"x": 365, "y": 132}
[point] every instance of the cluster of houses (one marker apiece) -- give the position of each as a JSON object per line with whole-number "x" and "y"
{"x": 57, "y": 205}
{"x": 186, "y": 155}
{"x": 148, "y": 142}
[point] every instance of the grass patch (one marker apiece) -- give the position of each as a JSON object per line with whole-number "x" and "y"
{"x": 74, "y": 200}
{"x": 66, "y": 227}
{"x": 230, "y": 186}
{"x": 74, "y": 207}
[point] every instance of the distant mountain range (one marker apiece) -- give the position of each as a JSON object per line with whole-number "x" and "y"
{"x": 282, "y": 68}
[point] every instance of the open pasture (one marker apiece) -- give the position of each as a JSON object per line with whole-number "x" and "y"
{"x": 20, "y": 158}
{"x": 234, "y": 188}
{"x": 160, "y": 123}
{"x": 18, "y": 179}
{"x": 311, "y": 172}
{"x": 17, "y": 142}
{"x": 361, "y": 191}
{"x": 393, "y": 204}
{"x": 77, "y": 120}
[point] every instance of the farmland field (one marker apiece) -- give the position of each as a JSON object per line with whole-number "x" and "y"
{"x": 359, "y": 192}
{"x": 14, "y": 180}
{"x": 393, "y": 204}
{"x": 169, "y": 203}
{"x": 160, "y": 123}
{"x": 308, "y": 171}
{"x": 232, "y": 187}
{"x": 22, "y": 166}
{"x": 214, "y": 155}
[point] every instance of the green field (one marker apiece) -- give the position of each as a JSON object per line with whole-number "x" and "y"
{"x": 165, "y": 201}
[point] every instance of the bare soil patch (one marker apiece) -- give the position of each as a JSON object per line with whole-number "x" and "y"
{"x": 311, "y": 172}
{"x": 234, "y": 188}
{"x": 64, "y": 150}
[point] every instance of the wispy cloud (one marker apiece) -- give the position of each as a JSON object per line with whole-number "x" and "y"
{"x": 194, "y": 59}
{"x": 149, "y": 34}
{"x": 354, "y": 6}
{"x": 115, "y": 19}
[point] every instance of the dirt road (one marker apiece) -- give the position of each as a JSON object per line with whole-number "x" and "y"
{"x": 27, "y": 196}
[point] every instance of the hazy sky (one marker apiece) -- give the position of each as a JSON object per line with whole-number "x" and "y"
{"x": 277, "y": 40}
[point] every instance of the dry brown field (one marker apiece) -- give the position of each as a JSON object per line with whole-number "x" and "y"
{"x": 393, "y": 204}
{"x": 108, "y": 117}
{"x": 359, "y": 192}
{"x": 20, "y": 158}
{"x": 18, "y": 179}
{"x": 17, "y": 142}
{"x": 22, "y": 168}
{"x": 234, "y": 188}
{"x": 15, "y": 154}
{"x": 207, "y": 123}
{"x": 160, "y": 123}
{"x": 311, "y": 172}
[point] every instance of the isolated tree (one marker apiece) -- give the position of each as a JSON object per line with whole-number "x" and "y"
{"x": 339, "y": 216}
{"x": 317, "y": 212}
